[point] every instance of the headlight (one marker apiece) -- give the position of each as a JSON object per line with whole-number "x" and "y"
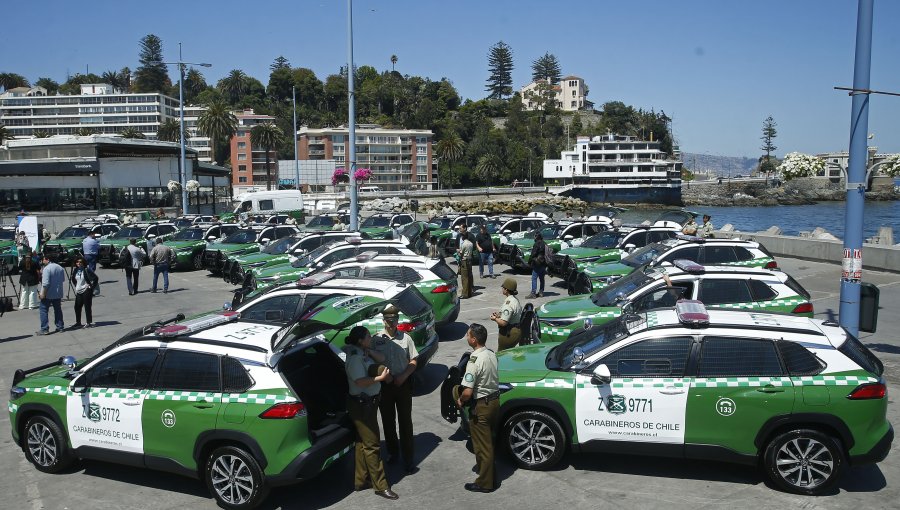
{"x": 256, "y": 264}
{"x": 504, "y": 387}
{"x": 16, "y": 393}
{"x": 606, "y": 279}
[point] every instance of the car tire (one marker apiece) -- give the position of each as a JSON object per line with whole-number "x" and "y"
{"x": 804, "y": 461}
{"x": 453, "y": 316}
{"x": 197, "y": 261}
{"x": 534, "y": 439}
{"x": 225, "y": 467}
{"x": 45, "y": 445}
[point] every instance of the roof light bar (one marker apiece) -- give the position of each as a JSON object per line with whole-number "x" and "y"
{"x": 366, "y": 256}
{"x": 693, "y": 239}
{"x": 691, "y": 312}
{"x": 316, "y": 279}
{"x": 194, "y": 325}
{"x": 353, "y": 240}
{"x": 689, "y": 266}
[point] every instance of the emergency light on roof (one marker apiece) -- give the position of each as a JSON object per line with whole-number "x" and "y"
{"x": 353, "y": 240}
{"x": 194, "y": 325}
{"x": 689, "y": 266}
{"x": 693, "y": 239}
{"x": 366, "y": 256}
{"x": 691, "y": 312}
{"x": 316, "y": 279}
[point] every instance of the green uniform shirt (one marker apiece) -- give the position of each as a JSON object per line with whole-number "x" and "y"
{"x": 398, "y": 350}
{"x": 357, "y": 368}
{"x": 465, "y": 249}
{"x": 481, "y": 373}
{"x": 706, "y": 230}
{"x": 511, "y": 311}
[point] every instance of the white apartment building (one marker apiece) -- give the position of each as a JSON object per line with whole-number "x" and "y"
{"x": 99, "y": 107}
{"x": 195, "y": 140}
{"x": 570, "y": 94}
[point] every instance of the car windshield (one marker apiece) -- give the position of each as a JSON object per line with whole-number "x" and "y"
{"x": 676, "y": 216}
{"x": 183, "y": 222}
{"x": 241, "y": 237}
{"x": 623, "y": 287}
{"x": 377, "y": 221}
{"x": 411, "y": 230}
{"x": 280, "y": 246}
{"x": 588, "y": 342}
{"x": 604, "y": 240}
{"x": 321, "y": 221}
{"x": 128, "y": 233}
{"x": 549, "y": 232}
{"x": 188, "y": 234}
{"x": 443, "y": 223}
{"x": 306, "y": 260}
{"x": 645, "y": 255}
{"x": 73, "y": 232}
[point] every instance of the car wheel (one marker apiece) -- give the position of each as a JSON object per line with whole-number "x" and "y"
{"x": 46, "y": 446}
{"x": 453, "y": 315}
{"x": 197, "y": 261}
{"x": 804, "y": 461}
{"x": 534, "y": 439}
{"x": 234, "y": 478}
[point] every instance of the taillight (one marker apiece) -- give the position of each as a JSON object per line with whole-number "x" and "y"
{"x": 440, "y": 289}
{"x": 868, "y": 391}
{"x": 771, "y": 265}
{"x": 803, "y": 308}
{"x": 406, "y": 327}
{"x": 284, "y": 411}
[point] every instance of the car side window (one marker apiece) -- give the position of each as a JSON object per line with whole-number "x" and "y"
{"x": 167, "y": 229}
{"x": 718, "y": 254}
{"x": 283, "y": 231}
{"x": 742, "y": 253}
{"x": 266, "y": 205}
{"x": 188, "y": 371}
{"x": 655, "y": 357}
{"x": 409, "y": 275}
{"x": 663, "y": 297}
{"x": 659, "y": 235}
{"x": 129, "y": 369}
{"x": 151, "y": 231}
{"x": 638, "y": 239}
{"x": 383, "y": 273}
{"x": 280, "y": 309}
{"x": 717, "y": 292}
{"x": 213, "y": 232}
{"x": 592, "y": 229}
{"x": 347, "y": 272}
{"x": 738, "y": 357}
{"x": 235, "y": 378}
{"x": 689, "y": 253}
{"x": 337, "y": 255}
{"x": 761, "y": 291}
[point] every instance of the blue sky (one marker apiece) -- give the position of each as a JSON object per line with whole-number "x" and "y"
{"x": 718, "y": 67}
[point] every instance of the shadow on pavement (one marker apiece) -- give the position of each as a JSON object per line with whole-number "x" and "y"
{"x": 138, "y": 476}
{"x": 14, "y": 338}
{"x": 663, "y": 467}
{"x": 429, "y": 379}
{"x": 452, "y": 331}
{"x": 887, "y": 348}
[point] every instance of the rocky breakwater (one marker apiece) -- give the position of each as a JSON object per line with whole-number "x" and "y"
{"x": 796, "y": 192}
{"x": 483, "y": 205}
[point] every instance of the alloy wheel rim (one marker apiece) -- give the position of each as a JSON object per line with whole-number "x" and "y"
{"x": 532, "y": 441}
{"x": 42, "y": 444}
{"x": 804, "y": 462}
{"x": 232, "y": 479}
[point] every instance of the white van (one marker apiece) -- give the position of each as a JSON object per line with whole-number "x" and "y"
{"x": 269, "y": 201}
{"x": 369, "y": 189}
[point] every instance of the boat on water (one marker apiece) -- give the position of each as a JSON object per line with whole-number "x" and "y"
{"x": 618, "y": 169}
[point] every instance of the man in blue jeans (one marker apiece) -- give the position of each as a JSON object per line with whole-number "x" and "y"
{"x": 485, "y": 251}
{"x": 90, "y": 248}
{"x": 51, "y": 294}
{"x": 161, "y": 256}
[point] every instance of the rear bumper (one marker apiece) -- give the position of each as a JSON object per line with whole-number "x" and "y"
{"x": 311, "y": 462}
{"x": 213, "y": 260}
{"x": 427, "y": 351}
{"x": 878, "y": 453}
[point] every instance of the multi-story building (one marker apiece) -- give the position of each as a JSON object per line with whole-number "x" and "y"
{"x": 399, "y": 159}
{"x": 248, "y": 163}
{"x": 100, "y": 107}
{"x": 570, "y": 94}
{"x": 196, "y": 140}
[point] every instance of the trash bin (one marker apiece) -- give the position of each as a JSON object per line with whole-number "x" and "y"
{"x": 868, "y": 307}
{"x": 413, "y": 205}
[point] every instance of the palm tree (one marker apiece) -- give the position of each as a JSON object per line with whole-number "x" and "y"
{"x": 451, "y": 148}
{"x": 40, "y": 133}
{"x": 194, "y": 84}
{"x": 488, "y": 166}
{"x": 4, "y": 134}
{"x": 233, "y": 85}
{"x": 218, "y": 123}
{"x": 393, "y": 62}
{"x": 113, "y": 78}
{"x": 133, "y": 133}
{"x": 268, "y": 136}
{"x": 85, "y": 131}
{"x": 170, "y": 131}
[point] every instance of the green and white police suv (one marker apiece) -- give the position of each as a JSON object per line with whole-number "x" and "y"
{"x": 242, "y": 405}
{"x": 729, "y": 287}
{"x": 799, "y": 397}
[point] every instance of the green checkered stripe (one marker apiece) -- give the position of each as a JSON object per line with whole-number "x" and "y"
{"x": 739, "y": 382}
{"x": 335, "y": 457}
{"x": 431, "y": 284}
{"x": 12, "y": 407}
{"x": 761, "y": 304}
{"x": 546, "y": 383}
{"x": 115, "y": 393}
{"x": 833, "y": 380}
{"x": 555, "y": 331}
{"x": 227, "y": 398}
{"x": 643, "y": 383}
{"x": 51, "y": 390}
{"x": 652, "y": 320}
{"x": 752, "y": 262}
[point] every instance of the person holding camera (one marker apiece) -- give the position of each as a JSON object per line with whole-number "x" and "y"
{"x": 362, "y": 405}
{"x": 85, "y": 281}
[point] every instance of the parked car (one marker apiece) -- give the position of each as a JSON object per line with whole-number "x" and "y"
{"x": 246, "y": 240}
{"x": 111, "y": 247}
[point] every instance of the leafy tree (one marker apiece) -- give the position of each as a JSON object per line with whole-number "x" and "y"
{"x": 575, "y": 126}
{"x": 113, "y": 78}
{"x": 280, "y": 63}
{"x": 281, "y": 80}
{"x": 488, "y": 167}
{"x": 151, "y": 75}
{"x": 546, "y": 68}
{"x": 796, "y": 165}
{"x": 132, "y": 133}
{"x": 72, "y": 86}
{"x": 451, "y": 148}
{"x": 12, "y": 80}
{"x": 768, "y": 139}
{"x": 51, "y": 85}
{"x": 126, "y": 78}
{"x": 500, "y": 67}
{"x": 218, "y": 123}
{"x": 393, "y": 62}
{"x": 194, "y": 84}
{"x": 4, "y": 134}
{"x": 268, "y": 136}
{"x": 170, "y": 131}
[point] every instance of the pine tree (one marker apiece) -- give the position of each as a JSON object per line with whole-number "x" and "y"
{"x": 151, "y": 75}
{"x": 768, "y": 137}
{"x": 280, "y": 63}
{"x": 546, "y": 68}
{"x": 500, "y": 66}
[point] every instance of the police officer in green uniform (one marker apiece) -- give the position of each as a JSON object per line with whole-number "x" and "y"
{"x": 480, "y": 390}
{"x": 362, "y": 404}
{"x": 508, "y": 317}
{"x": 464, "y": 252}
{"x": 396, "y": 398}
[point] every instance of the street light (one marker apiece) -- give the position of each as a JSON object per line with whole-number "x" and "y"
{"x": 182, "y": 168}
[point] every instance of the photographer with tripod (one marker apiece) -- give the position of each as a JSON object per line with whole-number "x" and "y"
{"x": 29, "y": 279}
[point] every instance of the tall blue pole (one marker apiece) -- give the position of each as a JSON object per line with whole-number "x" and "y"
{"x": 350, "y": 164}
{"x": 296, "y": 153}
{"x": 856, "y": 172}
{"x": 184, "y": 193}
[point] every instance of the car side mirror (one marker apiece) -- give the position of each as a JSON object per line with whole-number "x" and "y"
{"x": 320, "y": 264}
{"x": 210, "y": 238}
{"x": 568, "y": 237}
{"x": 507, "y": 231}
{"x": 601, "y": 375}
{"x": 629, "y": 247}
{"x": 80, "y": 384}
{"x": 151, "y": 236}
{"x": 265, "y": 240}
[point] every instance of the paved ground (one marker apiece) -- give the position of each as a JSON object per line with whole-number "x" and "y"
{"x": 582, "y": 481}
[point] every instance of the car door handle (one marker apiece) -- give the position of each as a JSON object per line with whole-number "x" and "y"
{"x": 131, "y": 402}
{"x": 203, "y": 404}
{"x": 671, "y": 390}
{"x": 770, "y": 389}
